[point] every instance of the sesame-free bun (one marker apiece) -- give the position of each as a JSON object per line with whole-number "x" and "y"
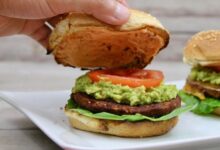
{"x": 83, "y": 41}
{"x": 120, "y": 128}
{"x": 203, "y": 49}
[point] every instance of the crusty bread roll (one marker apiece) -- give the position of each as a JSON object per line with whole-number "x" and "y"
{"x": 83, "y": 41}
{"x": 120, "y": 128}
{"x": 203, "y": 49}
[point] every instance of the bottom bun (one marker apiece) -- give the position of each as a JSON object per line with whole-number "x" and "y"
{"x": 217, "y": 111}
{"x": 120, "y": 128}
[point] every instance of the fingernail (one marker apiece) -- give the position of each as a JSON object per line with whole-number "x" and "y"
{"x": 121, "y": 12}
{"x": 123, "y": 2}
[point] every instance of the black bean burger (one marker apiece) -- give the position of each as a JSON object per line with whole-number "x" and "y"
{"x": 121, "y": 98}
{"x": 203, "y": 83}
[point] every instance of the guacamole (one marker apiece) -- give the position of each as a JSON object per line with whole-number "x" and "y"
{"x": 205, "y": 75}
{"x": 124, "y": 94}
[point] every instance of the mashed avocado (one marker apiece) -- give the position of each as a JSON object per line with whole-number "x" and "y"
{"x": 125, "y": 94}
{"x": 205, "y": 75}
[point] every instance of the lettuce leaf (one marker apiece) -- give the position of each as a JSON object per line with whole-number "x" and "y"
{"x": 204, "y": 107}
{"x": 70, "y": 104}
{"x": 132, "y": 118}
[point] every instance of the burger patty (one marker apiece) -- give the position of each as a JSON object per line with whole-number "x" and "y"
{"x": 152, "y": 110}
{"x": 206, "y": 88}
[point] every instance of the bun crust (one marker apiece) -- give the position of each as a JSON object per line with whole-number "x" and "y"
{"x": 83, "y": 41}
{"x": 120, "y": 128}
{"x": 203, "y": 49}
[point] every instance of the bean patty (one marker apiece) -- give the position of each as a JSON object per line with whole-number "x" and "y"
{"x": 206, "y": 88}
{"x": 151, "y": 110}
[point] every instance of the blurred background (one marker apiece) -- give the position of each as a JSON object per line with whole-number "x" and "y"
{"x": 24, "y": 57}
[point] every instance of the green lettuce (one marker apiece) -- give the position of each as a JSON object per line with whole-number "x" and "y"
{"x": 133, "y": 118}
{"x": 204, "y": 107}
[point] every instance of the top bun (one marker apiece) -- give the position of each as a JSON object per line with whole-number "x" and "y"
{"x": 203, "y": 49}
{"x": 83, "y": 41}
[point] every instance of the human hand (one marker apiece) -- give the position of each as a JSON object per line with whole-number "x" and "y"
{"x": 28, "y": 16}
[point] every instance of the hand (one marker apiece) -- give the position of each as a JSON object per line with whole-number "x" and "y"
{"x": 28, "y": 16}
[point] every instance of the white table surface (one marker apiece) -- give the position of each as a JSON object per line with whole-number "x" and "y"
{"x": 17, "y": 132}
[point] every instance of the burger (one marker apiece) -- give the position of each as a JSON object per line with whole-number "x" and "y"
{"x": 118, "y": 97}
{"x": 203, "y": 83}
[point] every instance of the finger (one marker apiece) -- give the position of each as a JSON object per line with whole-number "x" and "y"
{"x": 10, "y": 26}
{"x": 113, "y": 15}
{"x": 51, "y": 22}
{"x": 110, "y": 11}
{"x": 44, "y": 42}
{"x": 124, "y": 2}
{"x": 26, "y": 9}
{"x": 37, "y": 30}
{"x": 31, "y": 26}
{"x": 41, "y": 35}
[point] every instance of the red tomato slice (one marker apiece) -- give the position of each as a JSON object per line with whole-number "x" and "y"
{"x": 129, "y": 77}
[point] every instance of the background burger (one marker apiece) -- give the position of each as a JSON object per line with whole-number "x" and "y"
{"x": 203, "y": 82}
{"x": 120, "y": 99}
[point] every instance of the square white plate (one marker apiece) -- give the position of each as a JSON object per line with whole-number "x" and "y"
{"x": 45, "y": 110}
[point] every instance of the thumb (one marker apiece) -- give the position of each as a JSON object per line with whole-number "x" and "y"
{"x": 110, "y": 11}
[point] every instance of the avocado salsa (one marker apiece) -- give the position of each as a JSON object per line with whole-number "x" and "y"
{"x": 205, "y": 75}
{"x": 125, "y": 94}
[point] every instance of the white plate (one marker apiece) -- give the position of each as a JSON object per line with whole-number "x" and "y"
{"x": 44, "y": 109}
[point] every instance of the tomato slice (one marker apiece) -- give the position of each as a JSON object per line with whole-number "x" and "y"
{"x": 129, "y": 77}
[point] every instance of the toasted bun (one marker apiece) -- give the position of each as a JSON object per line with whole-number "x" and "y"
{"x": 217, "y": 111}
{"x": 83, "y": 41}
{"x": 203, "y": 49}
{"x": 120, "y": 128}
